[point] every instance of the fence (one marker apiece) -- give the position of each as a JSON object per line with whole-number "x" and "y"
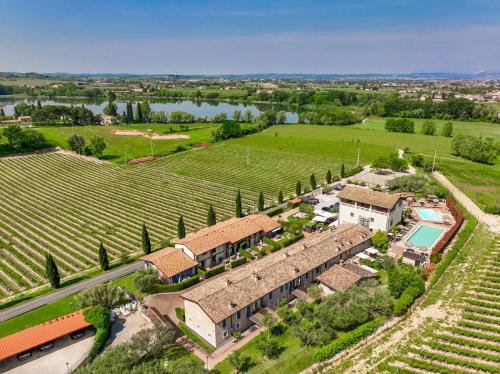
{"x": 459, "y": 219}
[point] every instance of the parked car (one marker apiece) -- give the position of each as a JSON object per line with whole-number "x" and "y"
{"x": 24, "y": 356}
{"x": 77, "y": 334}
{"x": 311, "y": 200}
{"x": 326, "y": 208}
{"x": 46, "y": 347}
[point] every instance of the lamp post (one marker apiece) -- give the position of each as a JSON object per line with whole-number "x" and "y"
{"x": 67, "y": 367}
{"x": 207, "y": 362}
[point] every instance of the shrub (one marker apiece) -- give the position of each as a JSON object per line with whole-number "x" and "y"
{"x": 214, "y": 271}
{"x": 428, "y": 128}
{"x": 477, "y": 149}
{"x": 177, "y": 286}
{"x": 240, "y": 361}
{"x": 98, "y": 316}
{"x": 237, "y": 262}
{"x": 447, "y": 129}
{"x": 348, "y": 339}
{"x": 246, "y": 254}
{"x": 268, "y": 347}
{"x": 180, "y": 314}
{"x": 400, "y": 125}
{"x": 275, "y": 211}
{"x": 146, "y": 279}
{"x": 380, "y": 241}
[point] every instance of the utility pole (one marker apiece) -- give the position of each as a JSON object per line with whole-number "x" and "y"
{"x": 357, "y": 162}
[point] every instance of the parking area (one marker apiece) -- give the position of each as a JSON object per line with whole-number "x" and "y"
{"x": 63, "y": 358}
{"x": 166, "y": 304}
{"x": 125, "y": 327}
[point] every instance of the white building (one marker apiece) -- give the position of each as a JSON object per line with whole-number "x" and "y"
{"x": 371, "y": 209}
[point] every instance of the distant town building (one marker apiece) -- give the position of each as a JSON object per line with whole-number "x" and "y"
{"x": 371, "y": 209}
{"x": 108, "y": 120}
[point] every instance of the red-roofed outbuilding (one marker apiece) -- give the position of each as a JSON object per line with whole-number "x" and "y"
{"x": 46, "y": 332}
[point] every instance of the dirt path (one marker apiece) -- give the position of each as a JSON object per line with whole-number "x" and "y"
{"x": 490, "y": 220}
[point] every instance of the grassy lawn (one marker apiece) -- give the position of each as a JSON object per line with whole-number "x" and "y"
{"x": 120, "y": 148}
{"x": 195, "y": 338}
{"x": 178, "y": 353}
{"x": 294, "y": 358}
{"x": 37, "y": 316}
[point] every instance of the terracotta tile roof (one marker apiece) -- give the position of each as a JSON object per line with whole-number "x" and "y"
{"x": 35, "y": 336}
{"x": 367, "y": 196}
{"x": 343, "y": 277}
{"x": 246, "y": 284}
{"x": 229, "y": 231}
{"x": 170, "y": 261}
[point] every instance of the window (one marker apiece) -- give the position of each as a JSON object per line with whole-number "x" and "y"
{"x": 224, "y": 324}
{"x": 317, "y": 270}
{"x": 352, "y": 214}
{"x": 326, "y": 265}
{"x": 372, "y": 219}
{"x": 270, "y": 295}
{"x": 248, "y": 310}
{"x": 281, "y": 289}
{"x": 238, "y": 314}
{"x": 307, "y": 275}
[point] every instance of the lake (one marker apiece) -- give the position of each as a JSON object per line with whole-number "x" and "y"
{"x": 197, "y": 108}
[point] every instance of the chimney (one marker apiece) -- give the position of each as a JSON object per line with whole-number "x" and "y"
{"x": 255, "y": 277}
{"x": 228, "y": 282}
{"x": 232, "y": 305}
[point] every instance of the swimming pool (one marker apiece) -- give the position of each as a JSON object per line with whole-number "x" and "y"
{"x": 429, "y": 214}
{"x": 425, "y": 236}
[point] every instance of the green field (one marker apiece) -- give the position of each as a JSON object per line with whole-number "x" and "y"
{"x": 67, "y": 204}
{"x": 122, "y": 148}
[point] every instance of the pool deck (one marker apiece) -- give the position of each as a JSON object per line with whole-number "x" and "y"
{"x": 398, "y": 246}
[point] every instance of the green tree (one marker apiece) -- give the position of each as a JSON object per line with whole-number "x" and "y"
{"x": 181, "y": 230}
{"x": 312, "y": 180}
{"x": 248, "y": 116}
{"x": 76, "y": 143}
{"x": 237, "y": 115}
{"x": 97, "y": 146}
{"x": 13, "y": 133}
{"x": 146, "y": 242}
{"x": 239, "y": 209}
{"x": 380, "y": 241}
{"x": 110, "y": 109}
{"x": 138, "y": 113}
{"x": 103, "y": 257}
{"x": 38, "y": 104}
{"x": 298, "y": 188}
{"x": 105, "y": 294}
{"x": 52, "y": 272}
{"x": 342, "y": 171}
{"x": 280, "y": 197}
{"x": 428, "y": 128}
{"x": 328, "y": 176}
{"x": 2, "y": 113}
{"x": 130, "y": 112}
{"x": 211, "y": 217}
{"x": 240, "y": 362}
{"x": 268, "y": 347}
{"x": 146, "y": 279}
{"x": 447, "y": 129}
{"x": 260, "y": 204}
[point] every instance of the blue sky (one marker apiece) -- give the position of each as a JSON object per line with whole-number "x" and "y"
{"x": 212, "y": 37}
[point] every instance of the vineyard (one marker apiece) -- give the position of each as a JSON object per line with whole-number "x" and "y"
{"x": 471, "y": 344}
{"x": 64, "y": 205}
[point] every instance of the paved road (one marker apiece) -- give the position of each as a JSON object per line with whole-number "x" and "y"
{"x": 490, "y": 220}
{"x": 67, "y": 291}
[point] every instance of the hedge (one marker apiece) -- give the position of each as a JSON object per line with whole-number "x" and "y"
{"x": 180, "y": 314}
{"x": 246, "y": 254}
{"x": 406, "y": 300}
{"x": 205, "y": 274}
{"x": 98, "y": 316}
{"x": 237, "y": 262}
{"x": 275, "y": 211}
{"x": 177, "y": 286}
{"x": 349, "y": 339}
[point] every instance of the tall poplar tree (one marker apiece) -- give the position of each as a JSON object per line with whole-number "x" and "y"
{"x": 312, "y": 179}
{"x": 328, "y": 176}
{"x": 181, "y": 230}
{"x": 261, "y": 202}
{"x": 239, "y": 210}
{"x": 138, "y": 113}
{"x": 146, "y": 242}
{"x": 280, "y": 197}
{"x": 52, "y": 272}
{"x": 342, "y": 170}
{"x": 211, "y": 217}
{"x": 103, "y": 257}
{"x": 298, "y": 188}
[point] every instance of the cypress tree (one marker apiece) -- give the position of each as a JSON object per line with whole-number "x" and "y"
{"x": 239, "y": 210}
{"x": 280, "y": 197}
{"x": 2, "y": 113}
{"x": 328, "y": 176}
{"x": 342, "y": 170}
{"x": 38, "y": 104}
{"x": 130, "y": 112}
{"x": 52, "y": 272}
{"x": 181, "y": 230}
{"x": 261, "y": 202}
{"x": 211, "y": 217}
{"x": 312, "y": 179}
{"x": 103, "y": 257}
{"x": 146, "y": 242}
{"x": 298, "y": 188}
{"x": 138, "y": 113}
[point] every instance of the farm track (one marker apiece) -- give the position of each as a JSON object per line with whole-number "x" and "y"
{"x": 65, "y": 205}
